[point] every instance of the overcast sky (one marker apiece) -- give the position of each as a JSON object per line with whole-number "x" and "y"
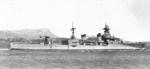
{"x": 128, "y": 19}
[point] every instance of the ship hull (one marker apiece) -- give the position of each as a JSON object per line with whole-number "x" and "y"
{"x": 67, "y": 47}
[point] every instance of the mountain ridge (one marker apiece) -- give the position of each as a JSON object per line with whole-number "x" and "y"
{"x": 26, "y": 33}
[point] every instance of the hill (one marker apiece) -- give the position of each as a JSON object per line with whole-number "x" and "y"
{"x": 26, "y": 33}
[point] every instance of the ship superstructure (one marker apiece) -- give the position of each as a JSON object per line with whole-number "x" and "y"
{"x": 101, "y": 39}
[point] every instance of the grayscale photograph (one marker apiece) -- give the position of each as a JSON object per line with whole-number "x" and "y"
{"x": 74, "y": 34}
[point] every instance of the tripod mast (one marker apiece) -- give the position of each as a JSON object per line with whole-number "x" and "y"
{"x": 72, "y": 29}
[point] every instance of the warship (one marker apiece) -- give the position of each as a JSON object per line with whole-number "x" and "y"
{"x": 103, "y": 41}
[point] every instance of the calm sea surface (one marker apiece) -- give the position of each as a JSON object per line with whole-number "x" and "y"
{"x": 75, "y": 59}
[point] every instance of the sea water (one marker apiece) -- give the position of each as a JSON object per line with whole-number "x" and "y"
{"x": 74, "y": 59}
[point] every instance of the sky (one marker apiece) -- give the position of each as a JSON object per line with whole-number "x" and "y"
{"x": 127, "y": 19}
